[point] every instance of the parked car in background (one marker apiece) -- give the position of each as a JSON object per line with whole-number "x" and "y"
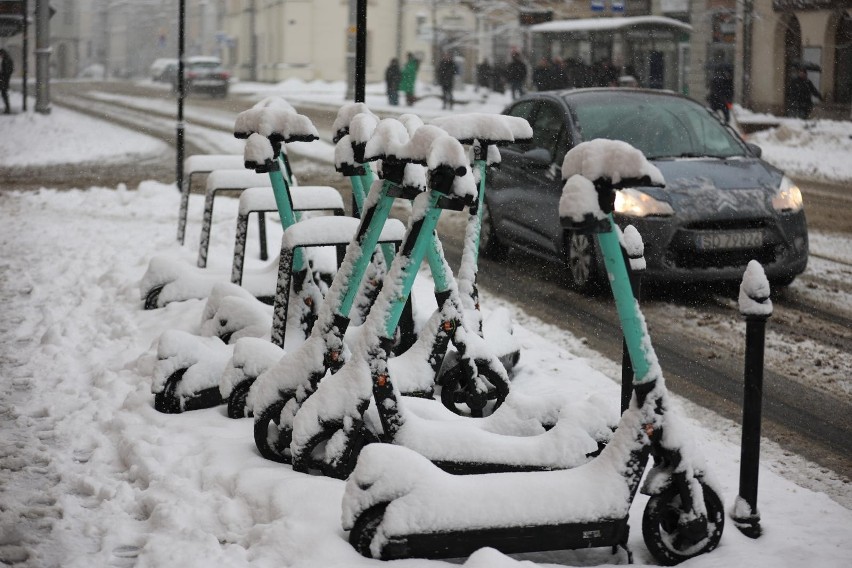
{"x": 204, "y": 75}
{"x": 722, "y": 205}
{"x": 163, "y": 70}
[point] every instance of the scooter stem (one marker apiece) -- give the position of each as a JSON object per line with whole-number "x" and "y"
{"x": 285, "y": 209}
{"x": 632, "y": 323}
{"x": 425, "y": 231}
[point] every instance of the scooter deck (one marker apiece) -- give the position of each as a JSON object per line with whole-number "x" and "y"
{"x": 509, "y": 540}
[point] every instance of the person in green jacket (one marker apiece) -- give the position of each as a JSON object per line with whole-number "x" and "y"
{"x": 409, "y": 79}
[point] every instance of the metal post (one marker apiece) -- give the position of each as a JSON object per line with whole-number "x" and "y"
{"x": 42, "y": 52}
{"x": 748, "y": 16}
{"x": 180, "y": 94}
{"x": 745, "y": 514}
{"x": 253, "y": 44}
{"x": 399, "y": 23}
{"x": 351, "y": 48}
{"x": 25, "y": 66}
{"x": 361, "y": 51}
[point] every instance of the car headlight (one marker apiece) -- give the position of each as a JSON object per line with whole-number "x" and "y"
{"x": 635, "y": 203}
{"x": 788, "y": 199}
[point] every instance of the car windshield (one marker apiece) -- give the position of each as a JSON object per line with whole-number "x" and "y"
{"x": 660, "y": 126}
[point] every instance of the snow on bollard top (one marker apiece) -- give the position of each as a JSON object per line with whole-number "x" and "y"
{"x": 276, "y": 102}
{"x": 634, "y": 247}
{"x": 344, "y": 117}
{"x": 387, "y": 141}
{"x": 485, "y": 128}
{"x": 258, "y": 152}
{"x": 609, "y": 159}
{"x": 754, "y": 292}
{"x": 579, "y": 199}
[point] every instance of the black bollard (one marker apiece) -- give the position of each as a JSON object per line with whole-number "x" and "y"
{"x": 756, "y": 307}
{"x": 634, "y": 252}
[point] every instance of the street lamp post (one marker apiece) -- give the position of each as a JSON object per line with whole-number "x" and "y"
{"x": 42, "y": 52}
{"x": 180, "y": 94}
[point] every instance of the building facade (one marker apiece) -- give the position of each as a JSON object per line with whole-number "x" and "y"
{"x": 786, "y": 33}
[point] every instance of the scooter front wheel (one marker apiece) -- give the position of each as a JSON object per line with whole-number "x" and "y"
{"x": 362, "y": 533}
{"x": 271, "y": 441}
{"x": 672, "y": 541}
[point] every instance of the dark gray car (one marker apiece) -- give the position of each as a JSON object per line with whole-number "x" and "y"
{"x": 722, "y": 205}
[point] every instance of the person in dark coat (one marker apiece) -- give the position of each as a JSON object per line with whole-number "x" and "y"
{"x": 541, "y": 75}
{"x": 721, "y": 94}
{"x": 499, "y": 77}
{"x": 516, "y": 74}
{"x": 6, "y": 69}
{"x": 393, "y": 76}
{"x": 800, "y": 99}
{"x": 484, "y": 75}
{"x": 446, "y": 75}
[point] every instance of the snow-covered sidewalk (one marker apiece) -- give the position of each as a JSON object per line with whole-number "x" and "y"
{"x": 92, "y": 475}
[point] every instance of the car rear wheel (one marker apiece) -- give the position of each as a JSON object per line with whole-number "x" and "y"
{"x": 489, "y": 243}
{"x": 581, "y": 263}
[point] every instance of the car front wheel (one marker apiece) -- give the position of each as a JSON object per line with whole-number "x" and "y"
{"x": 489, "y": 243}
{"x": 581, "y": 263}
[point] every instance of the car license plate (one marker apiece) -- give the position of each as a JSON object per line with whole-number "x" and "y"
{"x": 730, "y": 240}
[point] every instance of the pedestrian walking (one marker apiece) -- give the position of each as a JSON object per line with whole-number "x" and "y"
{"x": 541, "y": 75}
{"x": 721, "y": 95}
{"x": 499, "y": 77}
{"x": 800, "y": 98}
{"x": 393, "y": 77}
{"x": 6, "y": 69}
{"x": 484, "y": 75}
{"x": 446, "y": 74}
{"x": 409, "y": 79}
{"x": 516, "y": 74}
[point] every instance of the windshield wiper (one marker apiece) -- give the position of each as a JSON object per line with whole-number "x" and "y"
{"x": 690, "y": 155}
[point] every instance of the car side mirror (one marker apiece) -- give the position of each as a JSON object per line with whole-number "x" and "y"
{"x": 537, "y": 158}
{"x": 754, "y": 149}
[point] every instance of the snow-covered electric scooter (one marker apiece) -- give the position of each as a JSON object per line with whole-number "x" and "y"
{"x": 168, "y": 280}
{"x": 330, "y": 427}
{"x": 177, "y": 386}
{"x": 588, "y": 506}
{"x": 295, "y": 377}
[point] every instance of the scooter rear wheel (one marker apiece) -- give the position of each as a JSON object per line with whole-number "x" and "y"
{"x": 237, "y": 399}
{"x": 362, "y": 533}
{"x": 672, "y": 542}
{"x": 274, "y": 445}
{"x": 459, "y": 396}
